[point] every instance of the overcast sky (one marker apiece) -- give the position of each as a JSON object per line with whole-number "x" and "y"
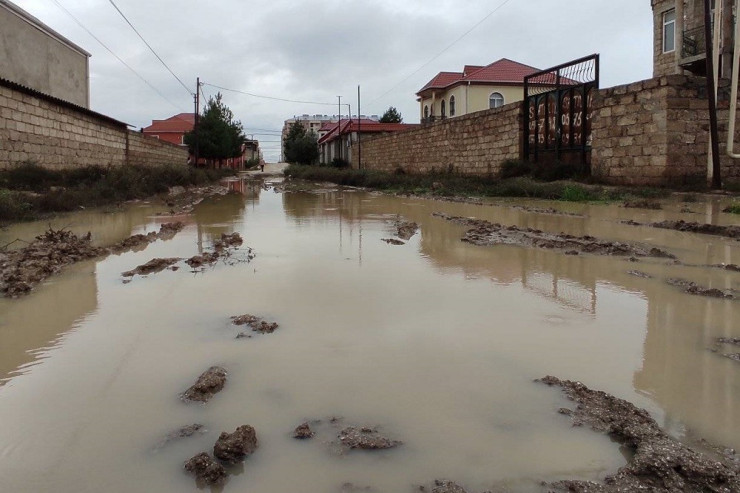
{"x": 317, "y": 50}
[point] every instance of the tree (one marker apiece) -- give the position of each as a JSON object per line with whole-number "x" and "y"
{"x": 391, "y": 115}
{"x": 301, "y": 147}
{"x": 219, "y": 135}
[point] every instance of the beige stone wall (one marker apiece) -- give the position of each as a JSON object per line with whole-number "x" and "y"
{"x": 34, "y": 128}
{"x": 472, "y": 144}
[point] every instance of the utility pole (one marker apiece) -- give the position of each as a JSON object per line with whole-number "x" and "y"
{"x": 339, "y": 128}
{"x": 716, "y": 180}
{"x": 359, "y": 133}
{"x": 196, "y": 118}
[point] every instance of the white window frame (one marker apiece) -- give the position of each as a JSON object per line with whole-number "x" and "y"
{"x": 491, "y": 104}
{"x": 672, "y": 25}
{"x": 452, "y": 106}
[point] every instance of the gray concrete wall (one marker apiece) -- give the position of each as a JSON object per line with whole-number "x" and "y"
{"x": 33, "y": 55}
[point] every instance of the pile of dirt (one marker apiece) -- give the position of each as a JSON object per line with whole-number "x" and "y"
{"x": 393, "y": 241}
{"x": 638, "y": 273}
{"x": 47, "y": 254}
{"x": 545, "y": 210}
{"x": 692, "y": 227}
{"x": 223, "y": 249}
{"x": 485, "y": 233}
{"x": 183, "y": 200}
{"x": 233, "y": 448}
{"x": 693, "y": 288}
{"x": 659, "y": 464}
{"x": 405, "y": 229}
{"x": 167, "y": 231}
{"x": 207, "y": 471}
{"x": 365, "y": 438}
{"x": 642, "y": 204}
{"x": 256, "y": 323}
{"x": 209, "y": 383}
{"x": 153, "y": 266}
{"x": 303, "y": 431}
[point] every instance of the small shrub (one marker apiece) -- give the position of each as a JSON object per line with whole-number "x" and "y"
{"x": 733, "y": 208}
{"x": 575, "y": 193}
{"x": 338, "y": 162}
{"x": 31, "y": 177}
{"x": 512, "y": 168}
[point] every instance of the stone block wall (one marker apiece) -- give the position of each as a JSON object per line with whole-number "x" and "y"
{"x": 477, "y": 144}
{"x": 56, "y": 134}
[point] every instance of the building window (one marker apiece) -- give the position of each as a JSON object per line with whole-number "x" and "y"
{"x": 426, "y": 112}
{"x": 669, "y": 31}
{"x": 496, "y": 100}
{"x": 442, "y": 111}
{"x": 452, "y": 105}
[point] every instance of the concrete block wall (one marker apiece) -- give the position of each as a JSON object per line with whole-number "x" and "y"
{"x": 57, "y": 135}
{"x": 476, "y": 144}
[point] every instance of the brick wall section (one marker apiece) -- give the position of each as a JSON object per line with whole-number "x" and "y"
{"x": 54, "y": 135}
{"x": 472, "y": 144}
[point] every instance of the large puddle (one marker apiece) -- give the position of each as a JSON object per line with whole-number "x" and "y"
{"x": 436, "y": 342}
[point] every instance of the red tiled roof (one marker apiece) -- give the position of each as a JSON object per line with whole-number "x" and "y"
{"x": 365, "y": 126}
{"x": 503, "y": 71}
{"x": 181, "y": 123}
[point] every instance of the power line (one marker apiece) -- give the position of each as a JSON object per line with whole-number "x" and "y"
{"x": 150, "y": 48}
{"x": 116, "y": 56}
{"x": 268, "y": 97}
{"x": 500, "y": 6}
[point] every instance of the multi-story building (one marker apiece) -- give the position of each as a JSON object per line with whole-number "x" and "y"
{"x": 476, "y": 88}
{"x": 318, "y": 124}
{"x": 37, "y": 57}
{"x": 679, "y": 41}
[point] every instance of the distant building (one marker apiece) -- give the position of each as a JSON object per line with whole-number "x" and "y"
{"x": 476, "y": 88}
{"x": 338, "y": 140}
{"x": 679, "y": 40}
{"x": 174, "y": 128}
{"x": 34, "y": 55}
{"x": 319, "y": 124}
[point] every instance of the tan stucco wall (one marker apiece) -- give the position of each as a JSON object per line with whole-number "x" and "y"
{"x": 469, "y": 99}
{"x": 36, "y": 59}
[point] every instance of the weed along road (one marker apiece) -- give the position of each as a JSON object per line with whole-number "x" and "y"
{"x": 315, "y": 339}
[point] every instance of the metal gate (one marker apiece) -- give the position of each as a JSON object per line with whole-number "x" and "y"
{"x": 557, "y": 112}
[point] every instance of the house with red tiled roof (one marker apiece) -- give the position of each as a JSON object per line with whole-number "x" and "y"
{"x": 338, "y": 138}
{"x": 476, "y": 88}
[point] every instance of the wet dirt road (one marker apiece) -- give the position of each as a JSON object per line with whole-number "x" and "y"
{"x": 435, "y": 342}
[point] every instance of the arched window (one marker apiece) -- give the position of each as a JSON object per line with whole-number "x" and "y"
{"x": 442, "y": 111}
{"x": 496, "y": 100}
{"x": 452, "y": 105}
{"x": 426, "y": 112}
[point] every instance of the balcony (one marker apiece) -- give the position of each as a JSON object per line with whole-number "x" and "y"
{"x": 694, "y": 51}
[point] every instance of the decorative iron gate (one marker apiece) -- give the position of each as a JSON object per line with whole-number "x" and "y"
{"x": 557, "y": 112}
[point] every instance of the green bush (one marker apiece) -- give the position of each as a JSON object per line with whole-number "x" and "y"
{"x": 338, "y": 162}
{"x": 512, "y": 168}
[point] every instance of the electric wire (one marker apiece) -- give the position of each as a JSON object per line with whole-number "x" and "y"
{"x": 79, "y": 23}
{"x": 500, "y": 6}
{"x": 150, "y": 48}
{"x": 268, "y": 97}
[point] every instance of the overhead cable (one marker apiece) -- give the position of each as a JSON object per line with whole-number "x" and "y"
{"x": 150, "y": 48}
{"x": 268, "y": 97}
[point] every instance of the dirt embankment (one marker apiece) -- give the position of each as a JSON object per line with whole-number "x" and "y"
{"x": 691, "y": 287}
{"x": 659, "y": 464}
{"x": 693, "y": 227}
{"x": 209, "y": 383}
{"x": 484, "y": 233}
{"x": 404, "y": 230}
{"x": 21, "y": 270}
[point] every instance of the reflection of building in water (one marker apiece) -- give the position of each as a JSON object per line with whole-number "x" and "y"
{"x": 217, "y": 216}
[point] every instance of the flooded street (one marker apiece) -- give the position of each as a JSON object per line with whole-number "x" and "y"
{"x": 435, "y": 342}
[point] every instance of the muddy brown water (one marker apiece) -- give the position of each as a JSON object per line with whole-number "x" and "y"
{"x": 435, "y": 342}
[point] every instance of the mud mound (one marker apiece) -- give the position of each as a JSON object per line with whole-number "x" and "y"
{"x": 551, "y": 211}
{"x": 167, "y": 231}
{"x": 223, "y": 249}
{"x": 209, "y": 383}
{"x": 693, "y": 227}
{"x": 693, "y": 288}
{"x": 207, "y": 471}
{"x": 393, "y": 241}
{"x": 660, "y": 463}
{"x": 256, "y": 323}
{"x": 485, "y": 233}
{"x": 720, "y": 342}
{"x": 405, "y": 229}
{"x": 303, "y": 431}
{"x": 47, "y": 254}
{"x": 366, "y": 439}
{"x": 153, "y": 266}
{"x": 233, "y": 448}
{"x": 642, "y": 204}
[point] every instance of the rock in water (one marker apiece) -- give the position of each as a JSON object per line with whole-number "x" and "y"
{"x": 303, "y": 431}
{"x": 365, "y": 438}
{"x": 206, "y": 469}
{"x": 234, "y": 447}
{"x": 208, "y": 384}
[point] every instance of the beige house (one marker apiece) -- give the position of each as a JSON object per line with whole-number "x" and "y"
{"x": 679, "y": 42}
{"x": 476, "y": 88}
{"x": 37, "y": 57}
